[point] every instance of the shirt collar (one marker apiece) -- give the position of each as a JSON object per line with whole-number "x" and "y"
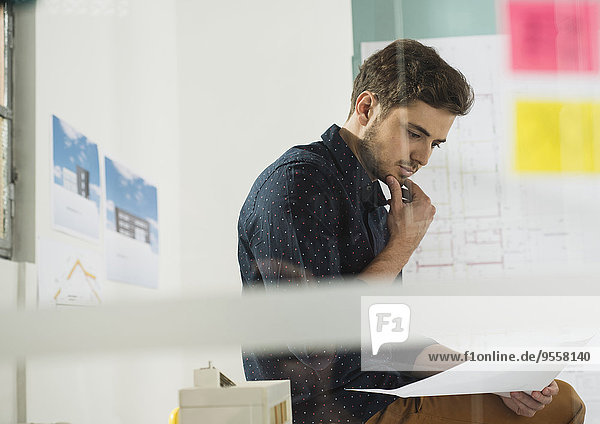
{"x": 354, "y": 176}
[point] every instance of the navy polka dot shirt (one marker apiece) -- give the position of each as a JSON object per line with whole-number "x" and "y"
{"x": 314, "y": 217}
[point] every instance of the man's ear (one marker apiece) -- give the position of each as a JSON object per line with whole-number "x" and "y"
{"x": 364, "y": 108}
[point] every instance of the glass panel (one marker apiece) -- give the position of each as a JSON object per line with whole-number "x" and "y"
{"x": 3, "y": 68}
{"x": 4, "y": 199}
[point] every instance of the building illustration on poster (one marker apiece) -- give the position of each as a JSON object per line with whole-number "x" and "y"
{"x": 75, "y": 182}
{"x": 132, "y": 226}
{"x": 131, "y": 235}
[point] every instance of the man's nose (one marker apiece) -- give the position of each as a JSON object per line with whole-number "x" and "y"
{"x": 420, "y": 153}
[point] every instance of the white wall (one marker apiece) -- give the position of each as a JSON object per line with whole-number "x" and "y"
{"x": 9, "y": 275}
{"x": 255, "y": 78}
{"x": 110, "y": 73}
{"x": 109, "y": 69}
{"x": 210, "y": 93}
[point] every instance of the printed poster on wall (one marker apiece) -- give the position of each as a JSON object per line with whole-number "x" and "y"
{"x": 131, "y": 236}
{"x": 75, "y": 182}
{"x": 68, "y": 276}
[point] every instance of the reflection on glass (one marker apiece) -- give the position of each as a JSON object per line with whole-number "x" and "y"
{"x": 3, "y": 177}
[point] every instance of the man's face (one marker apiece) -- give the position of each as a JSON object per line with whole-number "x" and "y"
{"x": 403, "y": 141}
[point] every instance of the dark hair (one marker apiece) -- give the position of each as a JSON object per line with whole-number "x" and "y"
{"x": 406, "y": 71}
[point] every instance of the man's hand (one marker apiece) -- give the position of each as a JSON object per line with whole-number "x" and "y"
{"x": 408, "y": 222}
{"x": 523, "y": 404}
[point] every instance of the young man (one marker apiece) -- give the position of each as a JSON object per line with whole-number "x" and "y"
{"x": 317, "y": 216}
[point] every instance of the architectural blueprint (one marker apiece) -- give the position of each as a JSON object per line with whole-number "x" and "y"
{"x": 492, "y": 220}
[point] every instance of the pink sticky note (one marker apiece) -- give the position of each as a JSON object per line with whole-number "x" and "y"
{"x": 554, "y": 36}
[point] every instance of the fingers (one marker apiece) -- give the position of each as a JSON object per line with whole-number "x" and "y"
{"x": 406, "y": 195}
{"x": 410, "y": 193}
{"x": 413, "y": 194}
{"x": 395, "y": 188}
{"x": 545, "y": 395}
{"x": 526, "y": 405}
{"x": 414, "y": 189}
{"x": 519, "y": 407}
{"x": 540, "y": 397}
{"x": 527, "y": 401}
{"x": 551, "y": 390}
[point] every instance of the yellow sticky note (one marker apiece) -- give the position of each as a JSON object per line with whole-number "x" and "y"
{"x": 595, "y": 155}
{"x": 557, "y": 137}
{"x": 538, "y": 136}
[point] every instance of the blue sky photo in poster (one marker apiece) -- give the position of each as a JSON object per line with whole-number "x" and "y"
{"x": 73, "y": 149}
{"x": 76, "y": 181}
{"x": 132, "y": 224}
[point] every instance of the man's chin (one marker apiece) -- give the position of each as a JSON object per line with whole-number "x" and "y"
{"x": 401, "y": 178}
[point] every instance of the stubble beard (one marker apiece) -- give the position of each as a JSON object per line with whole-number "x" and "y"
{"x": 370, "y": 160}
{"x": 367, "y": 152}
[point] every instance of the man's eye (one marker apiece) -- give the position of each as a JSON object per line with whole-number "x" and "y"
{"x": 414, "y": 135}
{"x": 436, "y": 144}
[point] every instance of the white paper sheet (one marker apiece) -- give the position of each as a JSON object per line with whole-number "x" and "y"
{"x": 75, "y": 180}
{"x": 473, "y": 378}
{"x": 68, "y": 275}
{"x": 131, "y": 236}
